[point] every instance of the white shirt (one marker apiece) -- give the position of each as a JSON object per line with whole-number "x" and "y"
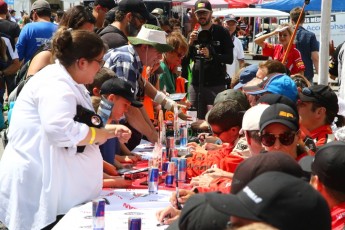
{"x": 238, "y": 55}
{"x": 41, "y": 175}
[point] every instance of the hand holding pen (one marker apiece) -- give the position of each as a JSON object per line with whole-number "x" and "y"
{"x": 178, "y": 204}
{"x": 167, "y": 216}
{"x": 183, "y": 197}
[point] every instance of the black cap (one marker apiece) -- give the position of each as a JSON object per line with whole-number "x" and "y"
{"x": 256, "y": 165}
{"x": 329, "y": 165}
{"x": 202, "y": 5}
{"x": 199, "y": 214}
{"x": 271, "y": 99}
{"x": 136, "y": 6}
{"x": 122, "y": 88}
{"x": 109, "y": 4}
{"x": 280, "y": 113}
{"x": 110, "y": 15}
{"x": 278, "y": 199}
{"x": 321, "y": 94}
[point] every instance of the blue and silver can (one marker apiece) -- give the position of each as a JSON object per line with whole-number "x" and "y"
{"x": 165, "y": 166}
{"x": 183, "y": 136}
{"x": 153, "y": 180}
{"x": 98, "y": 207}
{"x": 175, "y": 160}
{"x": 169, "y": 179}
{"x": 134, "y": 223}
{"x": 182, "y": 169}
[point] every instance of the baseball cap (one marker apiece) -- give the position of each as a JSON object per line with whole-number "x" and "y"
{"x": 40, "y": 4}
{"x": 321, "y": 94}
{"x": 279, "y": 199}
{"x": 279, "y": 113}
{"x": 121, "y": 88}
{"x": 230, "y": 17}
{"x": 251, "y": 117}
{"x": 153, "y": 36}
{"x": 231, "y": 94}
{"x": 256, "y": 165}
{"x": 110, "y": 15}
{"x": 277, "y": 84}
{"x": 109, "y": 4}
{"x": 157, "y": 11}
{"x": 137, "y": 6}
{"x": 3, "y": 7}
{"x": 199, "y": 214}
{"x": 329, "y": 165}
{"x": 271, "y": 99}
{"x": 247, "y": 75}
{"x": 202, "y": 5}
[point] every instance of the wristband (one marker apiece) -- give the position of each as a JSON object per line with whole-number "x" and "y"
{"x": 169, "y": 104}
{"x": 159, "y": 98}
{"x": 93, "y": 135}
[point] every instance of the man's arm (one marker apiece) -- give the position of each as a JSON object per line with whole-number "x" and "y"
{"x": 136, "y": 119}
{"x": 315, "y": 59}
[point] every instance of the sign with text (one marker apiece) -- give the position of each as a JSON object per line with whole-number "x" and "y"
{"x": 313, "y": 24}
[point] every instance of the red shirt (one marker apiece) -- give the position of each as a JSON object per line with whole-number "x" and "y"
{"x": 276, "y": 52}
{"x": 338, "y": 217}
{"x": 223, "y": 158}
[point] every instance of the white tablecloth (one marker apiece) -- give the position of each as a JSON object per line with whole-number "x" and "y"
{"x": 124, "y": 203}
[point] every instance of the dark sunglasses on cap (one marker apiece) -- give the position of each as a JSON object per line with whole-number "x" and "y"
{"x": 307, "y": 92}
{"x": 268, "y": 139}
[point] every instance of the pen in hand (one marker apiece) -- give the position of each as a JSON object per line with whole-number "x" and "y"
{"x": 179, "y": 206}
{"x": 163, "y": 221}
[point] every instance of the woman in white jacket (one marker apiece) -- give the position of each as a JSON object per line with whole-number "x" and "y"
{"x": 42, "y": 175}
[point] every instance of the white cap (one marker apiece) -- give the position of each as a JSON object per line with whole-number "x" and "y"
{"x": 251, "y": 117}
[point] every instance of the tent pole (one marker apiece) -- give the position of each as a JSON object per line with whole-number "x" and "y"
{"x": 326, "y": 8}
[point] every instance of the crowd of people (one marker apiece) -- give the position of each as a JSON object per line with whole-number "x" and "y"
{"x": 270, "y": 151}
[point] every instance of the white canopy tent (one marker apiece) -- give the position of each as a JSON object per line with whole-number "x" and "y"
{"x": 250, "y": 12}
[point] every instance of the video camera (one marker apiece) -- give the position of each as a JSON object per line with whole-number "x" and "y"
{"x": 204, "y": 40}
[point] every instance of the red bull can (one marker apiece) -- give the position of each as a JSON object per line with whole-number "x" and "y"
{"x": 153, "y": 180}
{"x": 134, "y": 223}
{"x": 169, "y": 179}
{"x": 183, "y": 136}
{"x": 182, "y": 169}
{"x": 98, "y": 207}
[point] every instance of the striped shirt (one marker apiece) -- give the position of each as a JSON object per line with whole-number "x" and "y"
{"x": 126, "y": 64}
{"x": 338, "y": 217}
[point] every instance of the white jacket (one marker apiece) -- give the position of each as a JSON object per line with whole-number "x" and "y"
{"x": 41, "y": 175}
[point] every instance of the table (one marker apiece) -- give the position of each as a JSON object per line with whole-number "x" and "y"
{"x": 124, "y": 203}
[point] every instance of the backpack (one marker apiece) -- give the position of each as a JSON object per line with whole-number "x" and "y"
{"x": 4, "y": 63}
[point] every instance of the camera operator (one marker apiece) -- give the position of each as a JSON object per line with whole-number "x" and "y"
{"x": 216, "y": 55}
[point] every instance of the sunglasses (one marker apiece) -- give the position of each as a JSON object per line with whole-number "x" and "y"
{"x": 268, "y": 139}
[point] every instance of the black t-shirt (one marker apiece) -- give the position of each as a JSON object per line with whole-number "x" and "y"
{"x": 113, "y": 37}
{"x": 221, "y": 51}
{"x": 11, "y": 29}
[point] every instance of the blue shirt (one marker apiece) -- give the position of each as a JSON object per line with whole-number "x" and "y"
{"x": 306, "y": 43}
{"x": 126, "y": 64}
{"x": 109, "y": 150}
{"x": 32, "y": 36}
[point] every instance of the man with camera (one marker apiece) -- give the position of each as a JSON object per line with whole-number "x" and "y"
{"x": 212, "y": 44}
